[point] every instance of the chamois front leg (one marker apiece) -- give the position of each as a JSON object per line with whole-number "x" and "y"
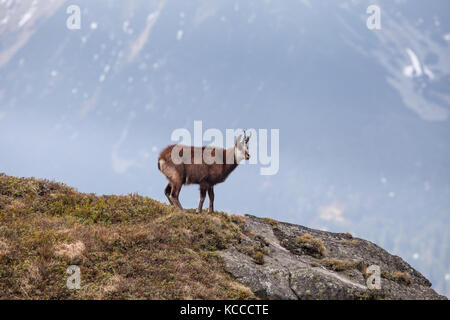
{"x": 202, "y": 199}
{"x": 174, "y": 195}
{"x": 167, "y": 192}
{"x": 211, "y": 199}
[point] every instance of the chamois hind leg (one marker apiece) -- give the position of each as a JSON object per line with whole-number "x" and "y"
{"x": 211, "y": 199}
{"x": 176, "y": 187}
{"x": 167, "y": 192}
{"x": 202, "y": 198}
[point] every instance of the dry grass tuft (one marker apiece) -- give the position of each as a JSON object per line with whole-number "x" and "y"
{"x": 270, "y": 221}
{"x": 397, "y": 276}
{"x": 70, "y": 251}
{"x": 337, "y": 264}
{"x": 258, "y": 257}
{"x": 343, "y": 265}
{"x": 349, "y": 242}
{"x": 239, "y": 220}
{"x": 349, "y": 235}
{"x": 314, "y": 245}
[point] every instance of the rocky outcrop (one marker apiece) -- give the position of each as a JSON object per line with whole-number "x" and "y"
{"x": 295, "y": 262}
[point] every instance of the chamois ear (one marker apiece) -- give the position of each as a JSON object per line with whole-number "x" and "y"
{"x": 238, "y": 140}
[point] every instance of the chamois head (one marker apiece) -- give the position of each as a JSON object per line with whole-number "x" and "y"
{"x": 241, "y": 148}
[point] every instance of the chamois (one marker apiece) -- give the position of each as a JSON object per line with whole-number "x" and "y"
{"x": 214, "y": 167}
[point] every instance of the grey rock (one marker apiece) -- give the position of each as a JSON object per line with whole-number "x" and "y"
{"x": 290, "y": 271}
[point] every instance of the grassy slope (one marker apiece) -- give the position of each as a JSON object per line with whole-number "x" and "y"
{"x": 129, "y": 247}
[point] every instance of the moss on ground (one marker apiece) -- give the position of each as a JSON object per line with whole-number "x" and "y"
{"x": 127, "y": 247}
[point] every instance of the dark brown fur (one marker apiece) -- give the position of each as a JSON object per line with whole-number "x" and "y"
{"x": 203, "y": 174}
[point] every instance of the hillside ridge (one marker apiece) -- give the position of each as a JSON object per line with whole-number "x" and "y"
{"x": 134, "y": 247}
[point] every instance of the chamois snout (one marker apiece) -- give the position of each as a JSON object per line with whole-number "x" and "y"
{"x": 242, "y": 148}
